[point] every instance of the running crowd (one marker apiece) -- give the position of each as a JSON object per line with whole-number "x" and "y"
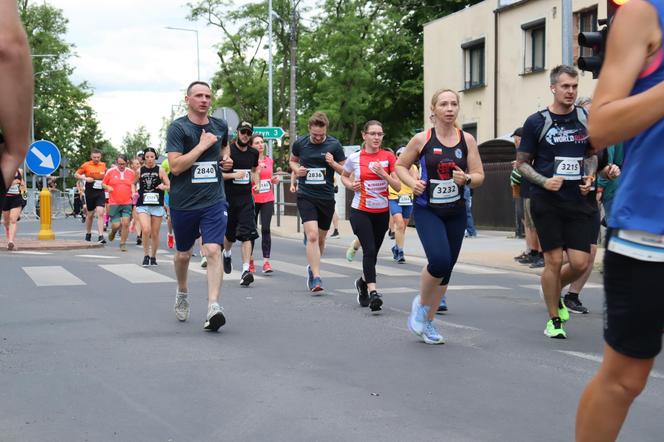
{"x": 217, "y": 190}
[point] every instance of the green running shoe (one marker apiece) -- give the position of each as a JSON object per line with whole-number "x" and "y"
{"x": 563, "y": 313}
{"x": 554, "y": 329}
{"x": 350, "y": 253}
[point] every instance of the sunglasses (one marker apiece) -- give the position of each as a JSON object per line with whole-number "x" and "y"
{"x": 245, "y": 132}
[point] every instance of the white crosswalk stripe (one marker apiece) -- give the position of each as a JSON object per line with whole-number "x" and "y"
{"x": 136, "y": 274}
{"x": 233, "y": 276}
{"x": 458, "y": 267}
{"x": 98, "y": 256}
{"x": 589, "y": 285}
{"x": 380, "y": 270}
{"x": 300, "y": 270}
{"x": 50, "y": 276}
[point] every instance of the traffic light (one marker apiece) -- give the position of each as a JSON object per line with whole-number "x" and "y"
{"x": 596, "y": 40}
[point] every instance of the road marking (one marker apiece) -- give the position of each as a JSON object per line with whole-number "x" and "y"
{"x": 98, "y": 256}
{"x": 384, "y": 291}
{"x": 381, "y": 270}
{"x": 459, "y": 267}
{"x": 234, "y": 275}
{"x": 299, "y": 270}
{"x": 477, "y": 287}
{"x": 440, "y": 321}
{"x": 537, "y": 286}
{"x": 49, "y": 276}
{"x": 135, "y": 273}
{"x": 598, "y": 358}
{"x": 29, "y": 252}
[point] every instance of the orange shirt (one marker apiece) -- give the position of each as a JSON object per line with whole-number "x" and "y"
{"x": 121, "y": 183}
{"x": 92, "y": 170}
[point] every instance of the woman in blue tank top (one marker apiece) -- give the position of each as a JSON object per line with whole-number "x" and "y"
{"x": 628, "y": 107}
{"x": 449, "y": 160}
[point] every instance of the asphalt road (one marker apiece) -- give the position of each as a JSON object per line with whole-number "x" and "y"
{"x": 101, "y": 357}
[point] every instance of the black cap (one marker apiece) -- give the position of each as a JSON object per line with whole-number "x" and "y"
{"x": 245, "y": 125}
{"x": 517, "y": 132}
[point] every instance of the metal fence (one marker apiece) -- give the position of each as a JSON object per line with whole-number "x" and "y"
{"x": 62, "y": 205}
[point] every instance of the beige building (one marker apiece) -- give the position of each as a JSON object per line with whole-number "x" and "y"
{"x": 497, "y": 54}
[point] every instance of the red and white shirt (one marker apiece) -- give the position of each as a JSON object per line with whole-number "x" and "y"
{"x": 373, "y": 193}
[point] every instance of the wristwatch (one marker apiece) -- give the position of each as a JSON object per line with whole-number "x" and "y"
{"x": 468, "y": 180}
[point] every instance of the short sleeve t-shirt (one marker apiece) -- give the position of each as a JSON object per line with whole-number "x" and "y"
{"x": 243, "y": 161}
{"x": 202, "y": 185}
{"x": 121, "y": 182}
{"x": 92, "y": 170}
{"x": 265, "y": 192}
{"x": 405, "y": 190}
{"x": 560, "y": 153}
{"x": 319, "y": 181}
{"x": 373, "y": 194}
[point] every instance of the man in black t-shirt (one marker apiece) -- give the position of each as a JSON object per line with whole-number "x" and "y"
{"x": 315, "y": 158}
{"x": 195, "y": 144}
{"x": 553, "y": 156}
{"x": 238, "y": 184}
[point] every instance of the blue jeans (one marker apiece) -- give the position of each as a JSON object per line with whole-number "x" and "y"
{"x": 470, "y": 224}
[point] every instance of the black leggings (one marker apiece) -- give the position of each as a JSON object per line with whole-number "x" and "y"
{"x": 370, "y": 229}
{"x": 265, "y": 210}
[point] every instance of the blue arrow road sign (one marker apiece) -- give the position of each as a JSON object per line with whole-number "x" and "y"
{"x": 43, "y": 157}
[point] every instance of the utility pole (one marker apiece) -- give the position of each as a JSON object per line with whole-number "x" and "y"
{"x": 293, "y": 70}
{"x": 566, "y": 16}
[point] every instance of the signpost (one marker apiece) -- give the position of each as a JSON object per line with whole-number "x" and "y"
{"x": 43, "y": 159}
{"x": 270, "y": 133}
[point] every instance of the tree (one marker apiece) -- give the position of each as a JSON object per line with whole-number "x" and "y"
{"x": 62, "y": 113}
{"x": 134, "y": 142}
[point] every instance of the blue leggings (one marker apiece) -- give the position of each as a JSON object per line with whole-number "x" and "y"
{"x": 441, "y": 235}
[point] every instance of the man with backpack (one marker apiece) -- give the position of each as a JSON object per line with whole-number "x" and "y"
{"x": 555, "y": 156}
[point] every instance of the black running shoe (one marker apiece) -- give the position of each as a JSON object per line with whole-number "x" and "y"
{"x": 537, "y": 263}
{"x": 362, "y": 292}
{"x": 139, "y": 241}
{"x": 88, "y": 236}
{"x": 390, "y": 234}
{"x": 153, "y": 261}
{"x": 375, "y": 302}
{"x": 228, "y": 265}
{"x": 246, "y": 279}
{"x": 574, "y": 305}
{"x": 101, "y": 239}
{"x": 146, "y": 261}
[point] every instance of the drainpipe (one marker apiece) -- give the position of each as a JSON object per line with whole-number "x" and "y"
{"x": 495, "y": 73}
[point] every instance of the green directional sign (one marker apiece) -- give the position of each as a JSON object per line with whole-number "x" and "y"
{"x": 270, "y": 133}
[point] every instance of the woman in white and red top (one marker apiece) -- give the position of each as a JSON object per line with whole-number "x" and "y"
{"x": 263, "y": 202}
{"x": 372, "y": 170}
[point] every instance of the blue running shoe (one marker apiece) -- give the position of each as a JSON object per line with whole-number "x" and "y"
{"x": 417, "y": 318}
{"x": 310, "y": 277}
{"x": 316, "y": 286}
{"x": 430, "y": 334}
{"x": 401, "y": 259}
{"x": 395, "y": 252}
{"x": 443, "y": 305}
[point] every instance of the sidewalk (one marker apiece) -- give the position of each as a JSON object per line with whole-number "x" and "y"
{"x": 490, "y": 248}
{"x": 23, "y": 243}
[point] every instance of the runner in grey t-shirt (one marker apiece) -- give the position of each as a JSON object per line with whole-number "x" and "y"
{"x": 314, "y": 159}
{"x": 195, "y": 144}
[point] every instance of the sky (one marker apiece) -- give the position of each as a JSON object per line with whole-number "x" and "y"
{"x": 137, "y": 68}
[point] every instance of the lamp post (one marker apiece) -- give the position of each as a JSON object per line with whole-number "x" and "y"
{"x": 198, "y": 53}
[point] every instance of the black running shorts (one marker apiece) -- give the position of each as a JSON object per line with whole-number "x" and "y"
{"x": 94, "y": 199}
{"x": 634, "y": 305}
{"x": 316, "y": 210}
{"x": 241, "y": 220}
{"x": 563, "y": 224}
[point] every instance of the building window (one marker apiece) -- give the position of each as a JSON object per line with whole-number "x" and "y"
{"x": 584, "y": 21}
{"x": 473, "y": 54}
{"x": 535, "y": 44}
{"x": 471, "y": 128}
